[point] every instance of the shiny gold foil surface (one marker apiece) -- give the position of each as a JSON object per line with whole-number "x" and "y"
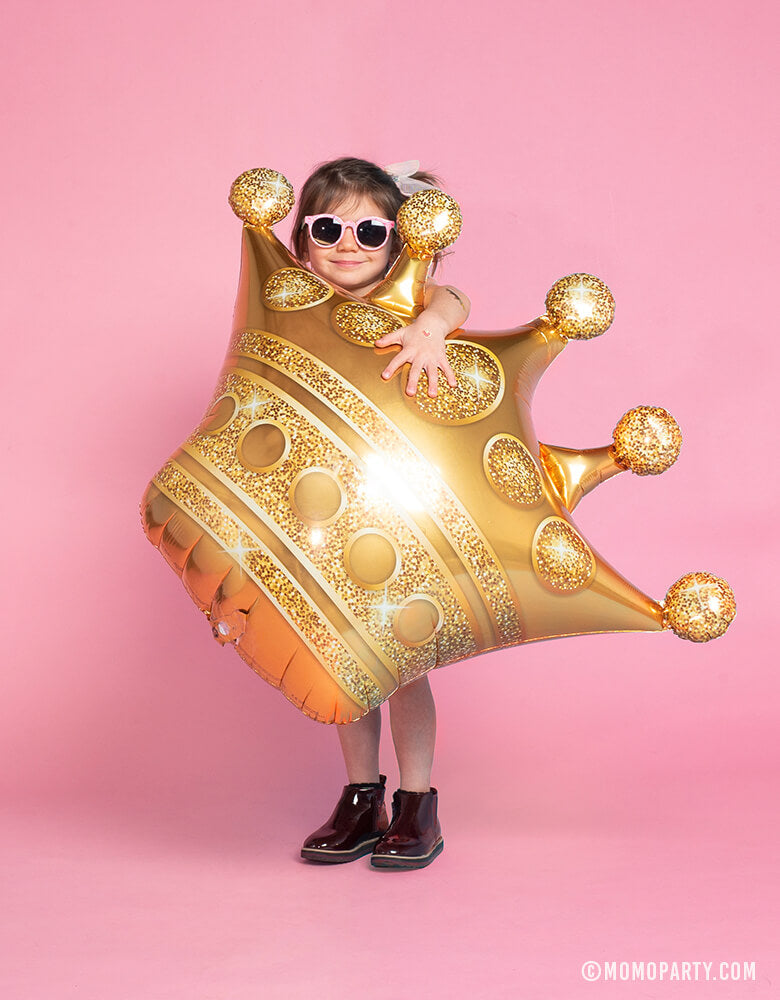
{"x": 345, "y": 539}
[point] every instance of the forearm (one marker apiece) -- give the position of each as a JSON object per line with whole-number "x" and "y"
{"x": 446, "y": 309}
{"x": 516, "y": 331}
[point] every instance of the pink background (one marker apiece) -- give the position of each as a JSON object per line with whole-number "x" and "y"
{"x": 619, "y": 800}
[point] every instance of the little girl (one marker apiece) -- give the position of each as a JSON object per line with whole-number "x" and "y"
{"x": 344, "y": 230}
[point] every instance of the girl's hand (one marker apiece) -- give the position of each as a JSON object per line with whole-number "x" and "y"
{"x": 422, "y": 346}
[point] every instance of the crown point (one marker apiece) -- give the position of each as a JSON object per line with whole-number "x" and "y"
{"x": 580, "y": 306}
{"x": 261, "y": 197}
{"x": 699, "y": 607}
{"x": 429, "y": 221}
{"x": 647, "y": 440}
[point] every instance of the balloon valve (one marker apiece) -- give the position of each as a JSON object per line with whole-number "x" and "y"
{"x": 229, "y": 628}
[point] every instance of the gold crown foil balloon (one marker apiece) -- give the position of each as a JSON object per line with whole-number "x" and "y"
{"x": 346, "y": 538}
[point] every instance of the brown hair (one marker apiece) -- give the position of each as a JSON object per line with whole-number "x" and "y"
{"x": 336, "y": 180}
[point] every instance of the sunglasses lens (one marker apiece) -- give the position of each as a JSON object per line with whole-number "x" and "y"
{"x": 326, "y": 231}
{"x": 372, "y": 233}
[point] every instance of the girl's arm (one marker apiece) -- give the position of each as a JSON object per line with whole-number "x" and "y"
{"x": 445, "y": 309}
{"x": 540, "y": 323}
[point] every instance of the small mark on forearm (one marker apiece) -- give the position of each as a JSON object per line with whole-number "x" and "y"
{"x": 460, "y": 300}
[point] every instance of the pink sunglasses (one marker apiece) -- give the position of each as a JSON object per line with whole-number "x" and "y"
{"x": 371, "y": 233}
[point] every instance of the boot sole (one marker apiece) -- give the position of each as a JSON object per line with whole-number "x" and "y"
{"x": 398, "y": 861}
{"x": 328, "y": 857}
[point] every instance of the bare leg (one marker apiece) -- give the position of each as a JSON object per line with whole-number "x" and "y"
{"x": 360, "y": 746}
{"x": 413, "y": 724}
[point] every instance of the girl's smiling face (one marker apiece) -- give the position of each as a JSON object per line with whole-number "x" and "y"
{"x": 345, "y": 263}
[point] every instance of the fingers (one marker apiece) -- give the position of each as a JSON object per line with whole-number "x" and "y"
{"x": 432, "y": 371}
{"x": 395, "y": 363}
{"x": 449, "y": 374}
{"x": 390, "y": 339}
{"x": 430, "y": 366}
{"x": 414, "y": 378}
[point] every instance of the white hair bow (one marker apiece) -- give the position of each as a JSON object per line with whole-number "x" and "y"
{"x": 402, "y": 175}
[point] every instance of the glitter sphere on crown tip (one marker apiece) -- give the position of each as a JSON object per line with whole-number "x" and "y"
{"x": 429, "y": 221}
{"x": 699, "y": 607}
{"x": 261, "y": 197}
{"x": 580, "y": 306}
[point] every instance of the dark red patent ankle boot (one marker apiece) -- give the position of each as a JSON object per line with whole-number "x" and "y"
{"x": 354, "y": 826}
{"x": 413, "y": 838}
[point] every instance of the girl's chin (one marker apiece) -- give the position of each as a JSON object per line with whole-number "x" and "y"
{"x": 348, "y": 273}
{"x": 355, "y": 283}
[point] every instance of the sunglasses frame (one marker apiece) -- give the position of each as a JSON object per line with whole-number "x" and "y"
{"x": 349, "y": 224}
